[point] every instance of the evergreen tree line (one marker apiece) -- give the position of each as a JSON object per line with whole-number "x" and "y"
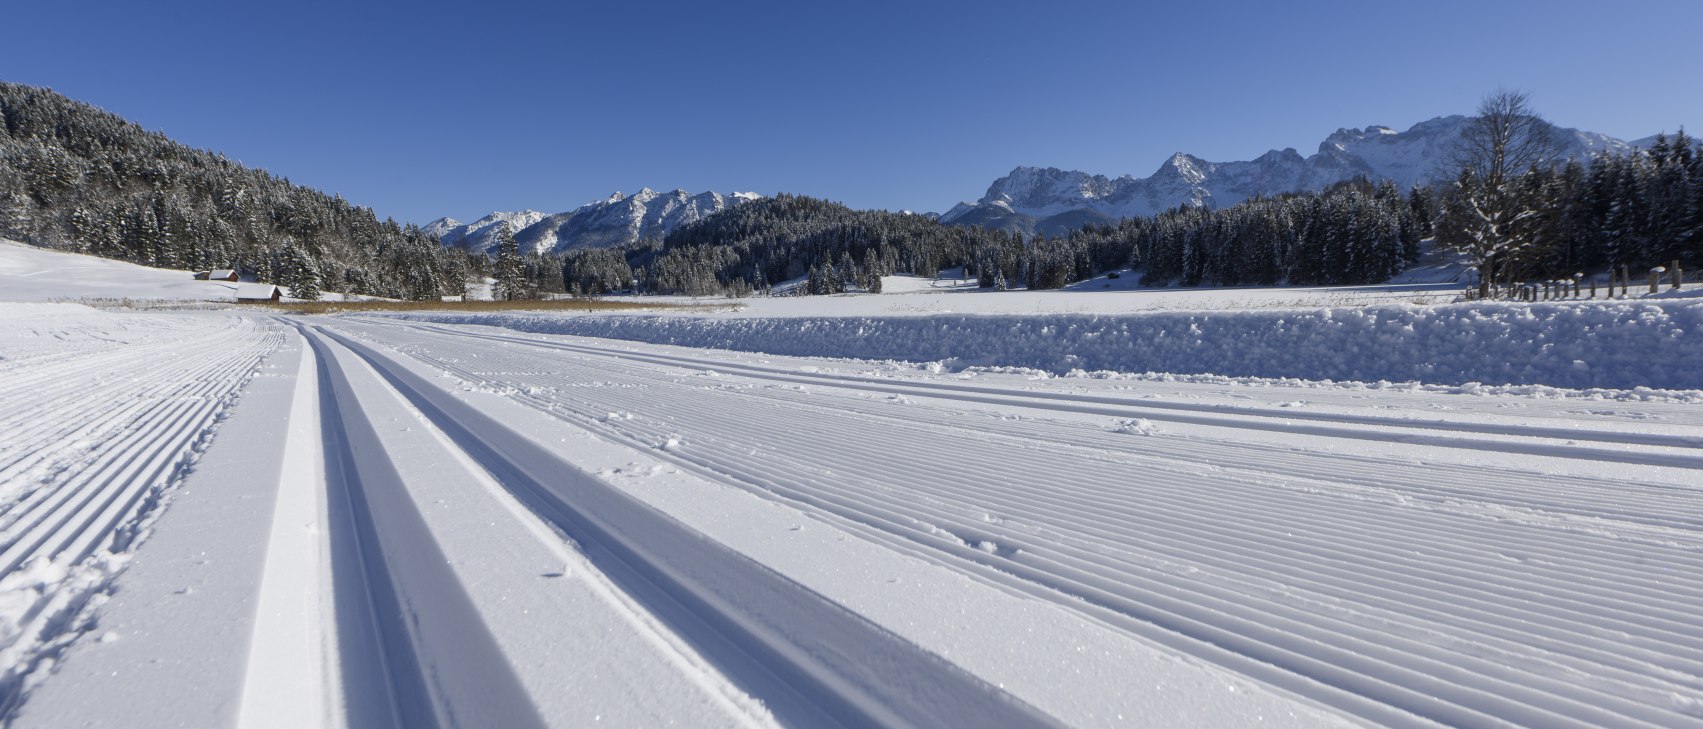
{"x": 1638, "y": 209}
{"x": 1353, "y": 233}
{"x": 748, "y": 248}
{"x": 78, "y": 178}
{"x": 1641, "y": 209}
{"x": 518, "y": 275}
{"x": 75, "y": 177}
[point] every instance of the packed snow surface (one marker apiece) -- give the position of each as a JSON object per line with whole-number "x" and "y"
{"x": 102, "y": 415}
{"x": 231, "y": 517}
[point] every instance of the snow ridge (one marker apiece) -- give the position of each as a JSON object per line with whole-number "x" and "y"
{"x": 1600, "y": 345}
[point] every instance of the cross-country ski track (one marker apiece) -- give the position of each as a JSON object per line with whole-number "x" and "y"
{"x": 364, "y": 521}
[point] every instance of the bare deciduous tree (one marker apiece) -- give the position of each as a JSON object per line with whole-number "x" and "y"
{"x": 1501, "y": 143}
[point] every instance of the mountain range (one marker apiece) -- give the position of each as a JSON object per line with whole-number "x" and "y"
{"x": 614, "y": 221}
{"x": 1047, "y": 199}
{"x": 1052, "y": 201}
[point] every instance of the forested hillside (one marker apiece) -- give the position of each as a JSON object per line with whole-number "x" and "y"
{"x": 1353, "y": 233}
{"x": 1636, "y": 209}
{"x": 76, "y": 177}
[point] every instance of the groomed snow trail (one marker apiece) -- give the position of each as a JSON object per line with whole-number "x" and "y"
{"x": 425, "y": 525}
{"x": 810, "y": 661}
{"x": 1406, "y": 573}
{"x": 101, "y": 419}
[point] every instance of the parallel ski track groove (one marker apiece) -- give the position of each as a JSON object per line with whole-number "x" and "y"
{"x": 98, "y": 437}
{"x": 66, "y": 405}
{"x": 1155, "y": 409}
{"x": 1277, "y": 502}
{"x": 154, "y": 421}
{"x": 807, "y": 671}
{"x": 402, "y": 574}
{"x": 1657, "y": 605}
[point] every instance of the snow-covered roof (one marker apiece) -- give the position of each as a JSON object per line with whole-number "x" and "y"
{"x": 250, "y": 291}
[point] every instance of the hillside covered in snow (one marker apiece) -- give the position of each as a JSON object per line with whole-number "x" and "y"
{"x": 1054, "y": 201}
{"x": 617, "y": 220}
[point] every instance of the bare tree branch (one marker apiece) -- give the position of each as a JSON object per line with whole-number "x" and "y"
{"x": 1502, "y": 142}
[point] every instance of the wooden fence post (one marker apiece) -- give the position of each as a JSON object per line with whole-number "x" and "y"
{"x": 1656, "y": 277}
{"x": 1676, "y": 273}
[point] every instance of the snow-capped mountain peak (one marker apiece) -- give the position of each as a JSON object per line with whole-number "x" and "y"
{"x": 1052, "y": 200}
{"x": 481, "y": 233}
{"x": 1188, "y": 167}
{"x": 612, "y": 221}
{"x": 441, "y": 227}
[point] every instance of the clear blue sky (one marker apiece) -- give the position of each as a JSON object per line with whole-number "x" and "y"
{"x": 425, "y": 109}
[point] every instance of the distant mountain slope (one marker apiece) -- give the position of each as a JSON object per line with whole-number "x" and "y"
{"x": 479, "y": 233}
{"x": 615, "y": 221}
{"x": 1050, "y": 200}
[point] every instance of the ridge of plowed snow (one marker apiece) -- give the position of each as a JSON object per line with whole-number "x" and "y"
{"x": 1602, "y": 344}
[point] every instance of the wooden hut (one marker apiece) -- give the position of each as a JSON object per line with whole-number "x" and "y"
{"x": 222, "y": 274}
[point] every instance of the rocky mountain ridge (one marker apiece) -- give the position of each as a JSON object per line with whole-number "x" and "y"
{"x": 1051, "y": 200}
{"x": 613, "y": 221}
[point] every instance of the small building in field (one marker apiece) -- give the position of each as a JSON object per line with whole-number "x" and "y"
{"x": 218, "y": 275}
{"x": 255, "y": 293}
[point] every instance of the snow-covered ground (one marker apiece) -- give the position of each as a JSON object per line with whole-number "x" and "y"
{"x": 102, "y": 415}
{"x": 918, "y": 296}
{"x": 226, "y": 517}
{"x": 30, "y": 273}
{"x": 1601, "y": 344}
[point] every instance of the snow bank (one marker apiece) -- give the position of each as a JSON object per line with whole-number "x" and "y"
{"x": 1619, "y": 345}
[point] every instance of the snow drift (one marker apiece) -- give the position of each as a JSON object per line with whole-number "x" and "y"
{"x": 1619, "y": 345}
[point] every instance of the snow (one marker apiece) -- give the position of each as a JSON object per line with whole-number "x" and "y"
{"x": 925, "y": 296}
{"x": 482, "y": 291}
{"x": 1601, "y": 344}
{"x": 1375, "y": 152}
{"x": 480, "y": 235}
{"x": 1221, "y": 518}
{"x": 28, "y": 273}
{"x": 614, "y": 220}
{"x": 937, "y": 506}
{"x": 103, "y": 415}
